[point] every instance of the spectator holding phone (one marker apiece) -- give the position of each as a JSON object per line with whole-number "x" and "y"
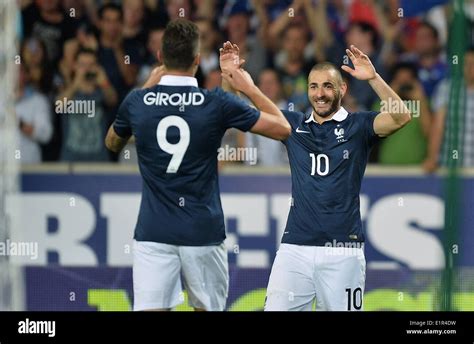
{"x": 82, "y": 107}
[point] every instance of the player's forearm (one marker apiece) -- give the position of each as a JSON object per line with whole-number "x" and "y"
{"x": 390, "y": 100}
{"x": 228, "y": 88}
{"x": 262, "y": 102}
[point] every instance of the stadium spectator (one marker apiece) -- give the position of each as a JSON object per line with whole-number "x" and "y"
{"x": 270, "y": 152}
{"x": 445, "y": 126}
{"x": 120, "y": 59}
{"x": 45, "y": 20}
{"x": 34, "y": 116}
{"x": 427, "y": 55}
{"x": 82, "y": 109}
{"x": 408, "y": 146}
{"x": 208, "y": 36}
{"x": 33, "y": 53}
{"x": 155, "y": 37}
{"x": 251, "y": 49}
{"x": 294, "y": 70}
{"x": 134, "y": 21}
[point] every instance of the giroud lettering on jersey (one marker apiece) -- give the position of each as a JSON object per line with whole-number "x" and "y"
{"x": 160, "y": 98}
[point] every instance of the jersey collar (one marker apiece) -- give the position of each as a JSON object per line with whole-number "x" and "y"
{"x": 177, "y": 80}
{"x": 339, "y": 116}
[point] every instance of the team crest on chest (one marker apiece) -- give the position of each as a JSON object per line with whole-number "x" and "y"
{"x": 339, "y": 132}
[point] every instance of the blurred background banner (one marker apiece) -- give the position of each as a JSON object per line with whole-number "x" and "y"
{"x": 83, "y": 225}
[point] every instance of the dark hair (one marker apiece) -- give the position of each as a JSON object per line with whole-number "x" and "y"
{"x": 180, "y": 44}
{"x": 328, "y": 66}
{"x": 367, "y": 28}
{"x": 111, "y": 6}
{"x": 85, "y": 51}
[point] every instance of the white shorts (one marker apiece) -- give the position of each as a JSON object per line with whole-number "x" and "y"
{"x": 334, "y": 276}
{"x": 157, "y": 270}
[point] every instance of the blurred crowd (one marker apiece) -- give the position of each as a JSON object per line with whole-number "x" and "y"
{"x": 94, "y": 52}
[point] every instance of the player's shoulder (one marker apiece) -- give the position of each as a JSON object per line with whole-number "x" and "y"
{"x": 218, "y": 92}
{"x": 135, "y": 94}
{"x": 294, "y": 117}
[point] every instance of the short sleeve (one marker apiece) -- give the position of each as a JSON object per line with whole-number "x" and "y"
{"x": 122, "y": 121}
{"x": 237, "y": 113}
{"x": 294, "y": 118}
{"x": 368, "y": 118}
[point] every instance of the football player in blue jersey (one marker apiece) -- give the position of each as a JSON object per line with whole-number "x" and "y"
{"x": 178, "y": 129}
{"x": 321, "y": 255}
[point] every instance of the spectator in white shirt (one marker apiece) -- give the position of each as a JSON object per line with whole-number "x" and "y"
{"x": 34, "y": 117}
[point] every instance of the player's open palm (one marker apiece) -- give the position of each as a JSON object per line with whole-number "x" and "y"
{"x": 229, "y": 59}
{"x": 363, "y": 67}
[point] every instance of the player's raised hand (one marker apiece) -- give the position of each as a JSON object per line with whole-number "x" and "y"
{"x": 155, "y": 76}
{"x": 229, "y": 59}
{"x": 363, "y": 67}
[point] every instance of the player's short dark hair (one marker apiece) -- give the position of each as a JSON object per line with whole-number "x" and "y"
{"x": 110, "y": 6}
{"x": 328, "y": 66}
{"x": 180, "y": 44}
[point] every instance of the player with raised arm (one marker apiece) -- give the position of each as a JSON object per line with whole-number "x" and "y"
{"x": 178, "y": 129}
{"x": 321, "y": 255}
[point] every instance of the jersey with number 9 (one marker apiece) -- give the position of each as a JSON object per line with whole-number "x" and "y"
{"x": 178, "y": 130}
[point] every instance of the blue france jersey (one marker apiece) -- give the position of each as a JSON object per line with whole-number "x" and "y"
{"x": 327, "y": 163}
{"x": 178, "y": 129}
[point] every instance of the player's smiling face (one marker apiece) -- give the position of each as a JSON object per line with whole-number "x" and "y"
{"x": 325, "y": 92}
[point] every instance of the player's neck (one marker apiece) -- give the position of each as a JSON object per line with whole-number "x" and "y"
{"x": 321, "y": 120}
{"x": 190, "y": 73}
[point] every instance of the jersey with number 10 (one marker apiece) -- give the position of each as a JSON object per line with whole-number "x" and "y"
{"x": 178, "y": 129}
{"x": 327, "y": 163}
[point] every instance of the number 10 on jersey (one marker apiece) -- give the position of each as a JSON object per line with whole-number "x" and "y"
{"x": 317, "y": 163}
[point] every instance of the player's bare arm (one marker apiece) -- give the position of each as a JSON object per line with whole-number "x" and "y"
{"x": 387, "y": 122}
{"x": 271, "y": 123}
{"x": 155, "y": 76}
{"x": 114, "y": 142}
{"x": 229, "y": 60}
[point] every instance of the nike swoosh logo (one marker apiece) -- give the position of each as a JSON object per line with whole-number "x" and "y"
{"x": 302, "y": 131}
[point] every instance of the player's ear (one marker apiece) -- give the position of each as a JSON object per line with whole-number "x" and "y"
{"x": 343, "y": 89}
{"x": 159, "y": 56}
{"x": 197, "y": 59}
